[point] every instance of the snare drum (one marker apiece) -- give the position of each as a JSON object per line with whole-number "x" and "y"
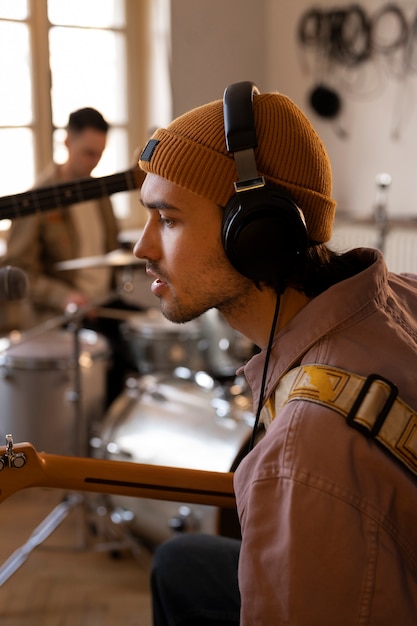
{"x": 38, "y": 389}
{"x": 158, "y": 345}
{"x": 190, "y": 423}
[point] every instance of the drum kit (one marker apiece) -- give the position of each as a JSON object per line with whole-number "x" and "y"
{"x": 183, "y": 406}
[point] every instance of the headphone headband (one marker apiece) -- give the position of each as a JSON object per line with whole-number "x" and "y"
{"x": 239, "y": 126}
{"x": 239, "y": 122}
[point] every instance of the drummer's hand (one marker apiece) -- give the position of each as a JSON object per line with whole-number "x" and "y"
{"x": 74, "y": 301}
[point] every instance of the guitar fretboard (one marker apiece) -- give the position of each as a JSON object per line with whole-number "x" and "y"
{"x": 65, "y": 194}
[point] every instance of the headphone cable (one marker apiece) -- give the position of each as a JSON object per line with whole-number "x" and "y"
{"x": 265, "y": 371}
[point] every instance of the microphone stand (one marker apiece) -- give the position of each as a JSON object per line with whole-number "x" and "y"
{"x": 383, "y": 183}
{"x": 81, "y": 435}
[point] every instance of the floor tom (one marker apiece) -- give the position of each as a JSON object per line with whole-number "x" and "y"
{"x": 43, "y": 400}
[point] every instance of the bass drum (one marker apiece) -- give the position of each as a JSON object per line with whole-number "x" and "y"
{"x": 177, "y": 422}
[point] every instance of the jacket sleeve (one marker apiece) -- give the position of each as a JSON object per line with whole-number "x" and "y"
{"x": 318, "y": 546}
{"x": 24, "y": 250}
{"x": 38, "y": 242}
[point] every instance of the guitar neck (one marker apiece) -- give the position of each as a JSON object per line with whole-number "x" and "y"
{"x": 114, "y": 477}
{"x": 64, "y": 194}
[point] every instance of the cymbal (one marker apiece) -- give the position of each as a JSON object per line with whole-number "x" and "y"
{"x": 115, "y": 258}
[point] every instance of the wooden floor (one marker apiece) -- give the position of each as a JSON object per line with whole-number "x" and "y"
{"x": 80, "y": 575}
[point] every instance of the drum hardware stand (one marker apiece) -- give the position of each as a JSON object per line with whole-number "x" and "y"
{"x": 383, "y": 183}
{"x": 102, "y": 527}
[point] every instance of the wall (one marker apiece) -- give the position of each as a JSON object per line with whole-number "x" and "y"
{"x": 216, "y": 42}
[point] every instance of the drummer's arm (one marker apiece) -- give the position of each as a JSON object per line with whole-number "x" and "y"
{"x": 75, "y": 300}
{"x": 22, "y": 243}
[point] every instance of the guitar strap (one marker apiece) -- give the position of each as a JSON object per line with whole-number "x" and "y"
{"x": 370, "y": 405}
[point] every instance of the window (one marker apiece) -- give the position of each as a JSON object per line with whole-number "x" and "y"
{"x": 57, "y": 56}
{"x": 16, "y": 113}
{"x": 87, "y": 51}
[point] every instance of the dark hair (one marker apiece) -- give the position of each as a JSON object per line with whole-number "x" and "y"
{"x": 313, "y": 270}
{"x": 87, "y": 118}
{"x": 316, "y": 269}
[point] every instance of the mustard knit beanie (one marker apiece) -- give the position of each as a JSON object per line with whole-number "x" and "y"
{"x": 191, "y": 152}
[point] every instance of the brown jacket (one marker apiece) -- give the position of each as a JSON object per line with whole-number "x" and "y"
{"x": 329, "y": 519}
{"x": 37, "y": 242}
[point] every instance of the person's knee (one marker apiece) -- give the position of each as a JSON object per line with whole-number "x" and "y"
{"x": 194, "y": 579}
{"x": 168, "y": 555}
{"x": 190, "y": 555}
{"x": 178, "y": 554}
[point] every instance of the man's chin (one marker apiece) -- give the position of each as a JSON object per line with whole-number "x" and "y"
{"x": 176, "y": 315}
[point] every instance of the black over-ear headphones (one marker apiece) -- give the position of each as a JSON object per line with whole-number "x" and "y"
{"x": 263, "y": 230}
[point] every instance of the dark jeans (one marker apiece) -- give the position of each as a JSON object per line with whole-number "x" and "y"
{"x": 194, "y": 581}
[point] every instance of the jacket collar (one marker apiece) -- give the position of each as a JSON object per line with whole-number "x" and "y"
{"x": 339, "y": 306}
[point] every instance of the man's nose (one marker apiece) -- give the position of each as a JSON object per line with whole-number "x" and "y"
{"x": 137, "y": 249}
{"x": 144, "y": 248}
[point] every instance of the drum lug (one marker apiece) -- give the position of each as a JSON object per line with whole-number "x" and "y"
{"x": 185, "y": 521}
{"x": 221, "y": 406}
{"x": 158, "y": 396}
{"x": 96, "y": 443}
{"x": 121, "y": 516}
{"x": 71, "y": 396}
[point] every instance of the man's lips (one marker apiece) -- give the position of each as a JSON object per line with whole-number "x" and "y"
{"x": 158, "y": 286}
{"x": 158, "y": 283}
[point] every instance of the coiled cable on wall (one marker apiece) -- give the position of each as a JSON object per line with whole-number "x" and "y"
{"x": 344, "y": 35}
{"x": 393, "y": 16}
{"x": 348, "y": 38}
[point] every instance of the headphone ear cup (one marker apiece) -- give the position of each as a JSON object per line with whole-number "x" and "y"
{"x": 263, "y": 234}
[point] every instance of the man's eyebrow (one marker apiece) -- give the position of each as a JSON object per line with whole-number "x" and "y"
{"x": 159, "y": 205}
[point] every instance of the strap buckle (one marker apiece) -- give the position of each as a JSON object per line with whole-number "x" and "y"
{"x": 372, "y": 431}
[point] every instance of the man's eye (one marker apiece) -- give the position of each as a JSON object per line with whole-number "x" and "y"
{"x": 167, "y": 221}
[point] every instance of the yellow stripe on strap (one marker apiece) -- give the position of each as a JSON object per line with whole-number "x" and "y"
{"x": 370, "y": 405}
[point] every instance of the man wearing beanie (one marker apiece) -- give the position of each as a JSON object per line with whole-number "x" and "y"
{"x": 240, "y": 207}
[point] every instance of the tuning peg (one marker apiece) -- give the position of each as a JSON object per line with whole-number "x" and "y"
{"x": 18, "y": 460}
{"x": 11, "y": 458}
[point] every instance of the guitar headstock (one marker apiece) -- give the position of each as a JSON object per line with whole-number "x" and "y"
{"x": 20, "y": 467}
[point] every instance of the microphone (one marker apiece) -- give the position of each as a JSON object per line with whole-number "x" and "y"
{"x": 13, "y": 283}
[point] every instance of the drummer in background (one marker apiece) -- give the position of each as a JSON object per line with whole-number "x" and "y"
{"x": 38, "y": 242}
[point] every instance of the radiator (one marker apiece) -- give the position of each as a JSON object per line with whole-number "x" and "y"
{"x": 398, "y": 243}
